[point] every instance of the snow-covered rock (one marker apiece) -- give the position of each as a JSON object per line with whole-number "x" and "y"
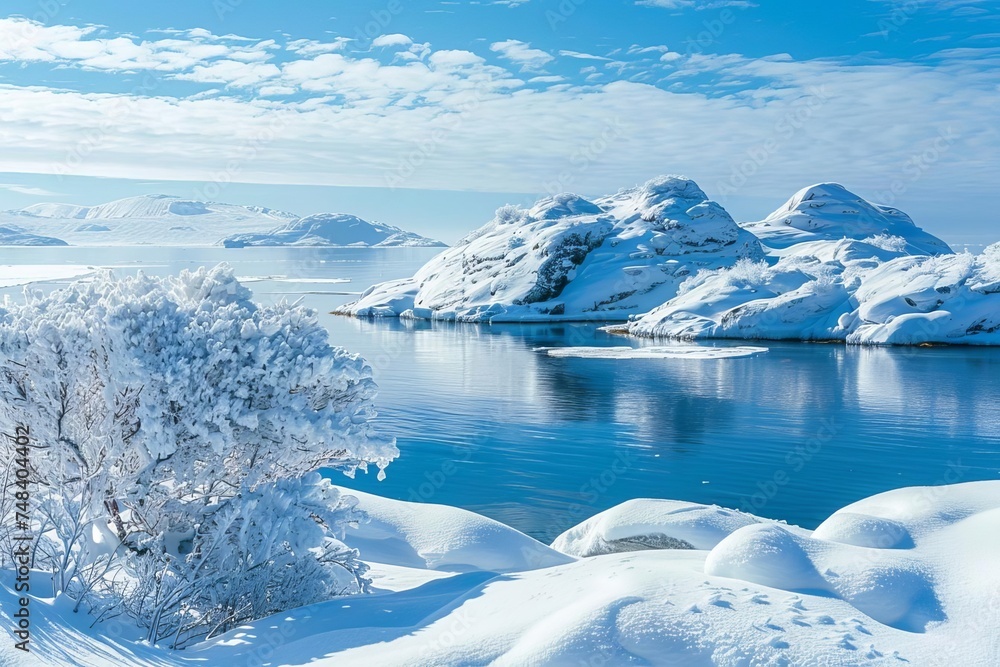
{"x": 572, "y": 259}
{"x": 19, "y": 237}
{"x": 643, "y": 523}
{"x": 840, "y": 268}
{"x": 333, "y": 229}
{"x": 829, "y": 211}
{"x": 882, "y": 299}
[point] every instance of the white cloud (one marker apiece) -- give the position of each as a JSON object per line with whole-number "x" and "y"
{"x": 455, "y": 58}
{"x": 355, "y": 117}
{"x": 395, "y": 39}
{"x": 310, "y": 47}
{"x": 521, "y": 53}
{"x": 581, "y": 56}
{"x": 25, "y": 40}
{"x": 697, "y": 4}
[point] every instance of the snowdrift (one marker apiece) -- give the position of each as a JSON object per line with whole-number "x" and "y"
{"x": 568, "y": 258}
{"x": 903, "y": 577}
{"x": 328, "y": 229}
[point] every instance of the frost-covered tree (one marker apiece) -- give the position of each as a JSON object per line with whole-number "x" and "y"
{"x": 176, "y": 427}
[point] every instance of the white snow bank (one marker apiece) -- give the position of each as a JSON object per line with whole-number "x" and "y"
{"x": 438, "y": 537}
{"x": 25, "y": 274}
{"x": 662, "y": 352}
{"x": 767, "y": 594}
{"x": 570, "y": 258}
{"x": 643, "y": 523}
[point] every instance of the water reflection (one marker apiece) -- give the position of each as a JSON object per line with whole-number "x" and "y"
{"x": 840, "y": 423}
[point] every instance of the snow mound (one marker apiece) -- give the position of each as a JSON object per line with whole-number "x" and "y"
{"x": 645, "y": 524}
{"x": 897, "y": 591}
{"x": 669, "y": 352}
{"x": 829, "y": 211}
{"x": 569, "y": 258}
{"x": 438, "y": 537}
{"x": 865, "y": 531}
{"x": 12, "y": 236}
{"x": 332, "y": 229}
{"x": 92, "y": 227}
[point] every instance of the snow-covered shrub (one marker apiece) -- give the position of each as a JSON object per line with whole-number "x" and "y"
{"x": 748, "y": 273}
{"x": 509, "y": 214}
{"x": 176, "y": 427}
{"x": 888, "y": 242}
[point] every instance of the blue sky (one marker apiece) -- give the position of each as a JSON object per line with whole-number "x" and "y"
{"x": 430, "y": 114}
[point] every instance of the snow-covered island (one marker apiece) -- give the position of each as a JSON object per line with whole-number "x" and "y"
{"x": 165, "y": 220}
{"x": 333, "y": 229}
{"x": 16, "y": 236}
{"x": 569, "y": 258}
{"x": 827, "y": 265}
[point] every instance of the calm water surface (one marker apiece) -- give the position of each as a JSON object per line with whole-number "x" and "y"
{"x": 486, "y": 422}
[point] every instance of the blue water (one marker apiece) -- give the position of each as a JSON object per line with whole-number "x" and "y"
{"x": 485, "y": 422}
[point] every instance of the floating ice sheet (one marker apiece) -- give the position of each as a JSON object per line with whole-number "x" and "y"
{"x": 12, "y": 276}
{"x": 662, "y": 352}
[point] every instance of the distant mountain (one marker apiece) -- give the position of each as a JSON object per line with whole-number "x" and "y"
{"x": 167, "y": 220}
{"x": 333, "y": 229}
{"x": 13, "y": 236}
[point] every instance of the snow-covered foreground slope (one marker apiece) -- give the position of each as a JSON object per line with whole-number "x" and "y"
{"x": 173, "y": 221}
{"x": 330, "y": 229}
{"x": 570, "y": 258}
{"x": 843, "y": 290}
{"x": 830, "y": 212}
{"x": 906, "y": 577}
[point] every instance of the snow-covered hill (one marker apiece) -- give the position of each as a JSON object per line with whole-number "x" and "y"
{"x": 333, "y": 229}
{"x": 830, "y": 212}
{"x": 173, "y": 221}
{"x": 885, "y": 289}
{"x": 568, "y": 258}
{"x": 18, "y": 236}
